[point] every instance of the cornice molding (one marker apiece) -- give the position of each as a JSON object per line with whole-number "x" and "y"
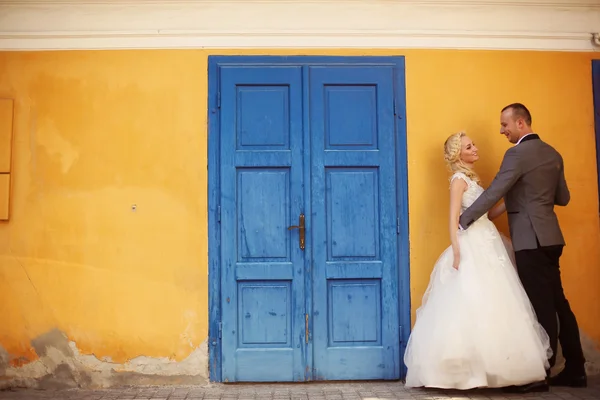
{"x": 526, "y": 3}
{"x": 143, "y": 24}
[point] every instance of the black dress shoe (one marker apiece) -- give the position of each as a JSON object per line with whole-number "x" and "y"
{"x": 566, "y": 378}
{"x": 541, "y": 386}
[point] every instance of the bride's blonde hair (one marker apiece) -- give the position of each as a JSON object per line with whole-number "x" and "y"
{"x": 452, "y": 150}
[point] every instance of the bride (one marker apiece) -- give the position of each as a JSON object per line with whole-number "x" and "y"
{"x": 476, "y": 327}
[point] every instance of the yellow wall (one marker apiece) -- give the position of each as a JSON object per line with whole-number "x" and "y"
{"x": 97, "y": 132}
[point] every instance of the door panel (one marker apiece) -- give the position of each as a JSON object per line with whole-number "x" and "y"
{"x": 354, "y": 277}
{"x": 261, "y": 196}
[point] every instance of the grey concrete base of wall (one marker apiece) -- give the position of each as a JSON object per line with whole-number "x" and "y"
{"x": 61, "y": 366}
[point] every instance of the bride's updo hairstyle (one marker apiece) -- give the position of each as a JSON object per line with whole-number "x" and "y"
{"x": 452, "y": 150}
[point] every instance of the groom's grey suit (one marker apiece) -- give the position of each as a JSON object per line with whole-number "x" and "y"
{"x": 532, "y": 181}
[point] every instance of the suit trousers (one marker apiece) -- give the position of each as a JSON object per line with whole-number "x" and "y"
{"x": 539, "y": 271}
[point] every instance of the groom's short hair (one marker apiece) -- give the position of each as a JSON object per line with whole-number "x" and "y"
{"x": 519, "y": 111}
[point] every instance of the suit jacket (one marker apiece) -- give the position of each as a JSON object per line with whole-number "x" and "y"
{"x": 532, "y": 181}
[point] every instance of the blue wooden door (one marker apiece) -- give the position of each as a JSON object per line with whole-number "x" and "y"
{"x": 263, "y": 288}
{"x": 308, "y": 144}
{"x": 355, "y": 281}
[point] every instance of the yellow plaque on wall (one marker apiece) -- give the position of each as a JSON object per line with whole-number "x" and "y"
{"x": 4, "y": 196}
{"x": 6, "y": 127}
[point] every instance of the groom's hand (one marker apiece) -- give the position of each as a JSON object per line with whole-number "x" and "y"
{"x": 510, "y": 172}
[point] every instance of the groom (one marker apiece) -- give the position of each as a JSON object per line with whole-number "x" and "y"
{"x": 531, "y": 180}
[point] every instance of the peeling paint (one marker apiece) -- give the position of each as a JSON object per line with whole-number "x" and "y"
{"x": 53, "y": 339}
{"x": 4, "y": 361}
{"x": 61, "y": 365}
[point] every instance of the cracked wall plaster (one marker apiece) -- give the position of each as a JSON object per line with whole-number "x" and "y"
{"x": 61, "y": 365}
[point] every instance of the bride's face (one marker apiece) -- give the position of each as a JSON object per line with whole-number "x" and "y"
{"x": 468, "y": 152}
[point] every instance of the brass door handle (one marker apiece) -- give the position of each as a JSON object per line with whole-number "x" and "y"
{"x": 300, "y": 227}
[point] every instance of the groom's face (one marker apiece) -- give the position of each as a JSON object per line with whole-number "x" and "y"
{"x": 509, "y": 127}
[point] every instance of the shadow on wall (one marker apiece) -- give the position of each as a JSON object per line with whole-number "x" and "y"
{"x": 591, "y": 353}
{"x": 61, "y": 366}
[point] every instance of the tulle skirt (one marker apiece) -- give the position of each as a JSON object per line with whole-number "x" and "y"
{"x": 476, "y": 326}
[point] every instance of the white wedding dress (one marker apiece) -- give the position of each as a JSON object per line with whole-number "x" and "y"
{"x": 476, "y": 326}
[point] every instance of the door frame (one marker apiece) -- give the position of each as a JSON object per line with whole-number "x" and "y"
{"x": 596, "y": 114}
{"x": 214, "y": 228}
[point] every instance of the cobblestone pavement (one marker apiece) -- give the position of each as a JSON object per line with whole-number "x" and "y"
{"x": 308, "y": 391}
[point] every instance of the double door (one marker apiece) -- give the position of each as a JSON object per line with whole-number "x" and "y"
{"x": 309, "y": 222}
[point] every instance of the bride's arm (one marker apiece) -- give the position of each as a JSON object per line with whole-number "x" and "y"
{"x": 497, "y": 210}
{"x": 457, "y": 188}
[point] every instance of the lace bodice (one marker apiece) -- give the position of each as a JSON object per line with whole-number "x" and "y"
{"x": 474, "y": 190}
